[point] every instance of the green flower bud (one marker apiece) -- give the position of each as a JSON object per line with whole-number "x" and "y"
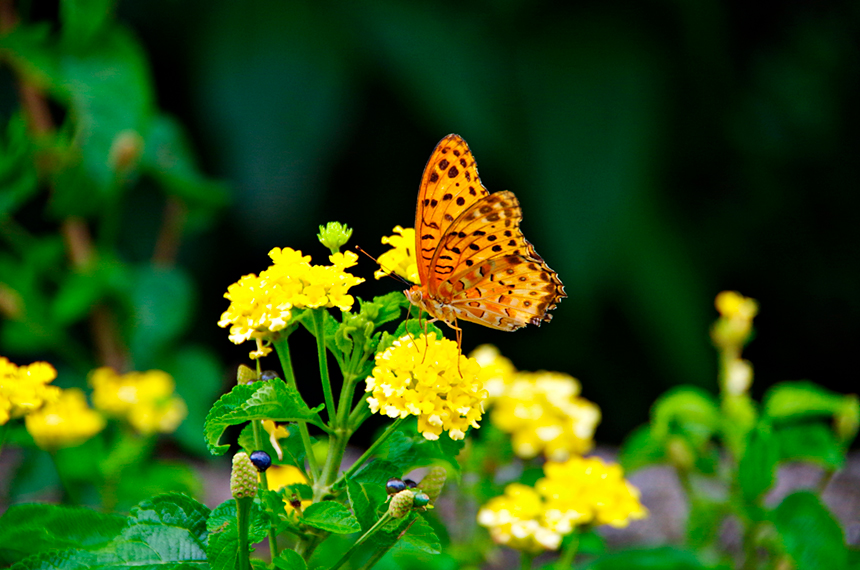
{"x": 334, "y": 235}
{"x": 243, "y": 479}
{"x": 245, "y": 375}
{"x": 433, "y": 482}
{"x": 401, "y": 504}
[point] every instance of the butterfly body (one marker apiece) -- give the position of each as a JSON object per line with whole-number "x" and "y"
{"x": 473, "y": 261}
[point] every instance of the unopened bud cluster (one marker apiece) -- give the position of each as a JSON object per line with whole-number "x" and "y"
{"x": 243, "y": 478}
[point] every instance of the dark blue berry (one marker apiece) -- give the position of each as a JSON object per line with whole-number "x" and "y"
{"x": 394, "y": 486}
{"x": 261, "y": 460}
{"x": 267, "y": 375}
{"x": 410, "y": 483}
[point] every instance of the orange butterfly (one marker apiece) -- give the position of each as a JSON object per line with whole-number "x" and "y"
{"x": 473, "y": 260}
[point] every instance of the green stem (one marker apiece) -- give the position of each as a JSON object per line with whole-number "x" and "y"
{"x": 359, "y": 415}
{"x": 282, "y": 347}
{"x": 568, "y": 553}
{"x": 526, "y": 559}
{"x": 243, "y": 512}
{"x": 322, "y": 354}
{"x": 256, "y": 426}
{"x": 357, "y": 465}
{"x": 373, "y": 530}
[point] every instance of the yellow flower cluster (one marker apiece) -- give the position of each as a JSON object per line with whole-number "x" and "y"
{"x": 145, "y": 399}
{"x": 64, "y": 422}
{"x": 282, "y": 475}
{"x": 25, "y": 389}
{"x": 428, "y": 378}
{"x": 400, "y": 259}
{"x": 730, "y": 333}
{"x": 576, "y": 492}
{"x": 261, "y": 305}
{"x": 542, "y": 411}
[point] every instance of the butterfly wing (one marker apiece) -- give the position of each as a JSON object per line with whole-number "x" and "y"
{"x": 490, "y": 274}
{"x": 449, "y": 186}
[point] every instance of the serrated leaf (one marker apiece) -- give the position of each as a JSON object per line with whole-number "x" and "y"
{"x": 32, "y": 528}
{"x": 810, "y": 535}
{"x": 365, "y": 500}
{"x": 408, "y": 449}
{"x": 421, "y": 536}
{"x": 273, "y": 400}
{"x": 224, "y": 515}
{"x": 378, "y": 472}
{"x": 289, "y": 560}
{"x": 330, "y": 516}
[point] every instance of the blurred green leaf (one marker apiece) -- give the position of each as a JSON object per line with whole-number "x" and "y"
{"x": 687, "y": 411}
{"x": 157, "y": 476}
{"x": 661, "y": 558}
{"x": 757, "y": 467}
{"x": 812, "y": 538}
{"x": 162, "y": 303}
{"x": 18, "y": 178}
{"x": 77, "y": 295}
{"x": 32, "y": 528}
{"x": 641, "y": 449}
{"x": 809, "y": 441}
{"x": 797, "y": 400}
{"x": 83, "y": 19}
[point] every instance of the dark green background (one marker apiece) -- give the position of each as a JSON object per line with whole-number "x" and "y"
{"x": 662, "y": 152}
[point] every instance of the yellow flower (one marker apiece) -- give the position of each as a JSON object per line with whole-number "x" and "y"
{"x": 428, "y": 378}
{"x": 65, "y": 422}
{"x": 587, "y": 490}
{"x": 262, "y": 305}
{"x": 734, "y": 327}
{"x": 25, "y": 389}
{"x": 282, "y": 475}
{"x": 401, "y": 258}
{"x": 516, "y": 519}
{"x": 276, "y": 432}
{"x": 145, "y": 399}
{"x": 544, "y": 414}
{"x": 497, "y": 372}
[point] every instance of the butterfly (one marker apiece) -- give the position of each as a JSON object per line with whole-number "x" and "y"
{"x": 473, "y": 261}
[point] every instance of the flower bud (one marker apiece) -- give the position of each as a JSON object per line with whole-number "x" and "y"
{"x": 433, "y": 482}
{"x": 401, "y": 504}
{"x": 245, "y": 375}
{"x": 334, "y": 235}
{"x": 243, "y": 478}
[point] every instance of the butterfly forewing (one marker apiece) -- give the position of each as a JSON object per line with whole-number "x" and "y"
{"x": 449, "y": 186}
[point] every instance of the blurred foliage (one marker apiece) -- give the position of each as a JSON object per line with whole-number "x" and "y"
{"x": 662, "y": 152}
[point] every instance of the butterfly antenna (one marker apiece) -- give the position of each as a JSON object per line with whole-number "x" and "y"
{"x": 392, "y": 275}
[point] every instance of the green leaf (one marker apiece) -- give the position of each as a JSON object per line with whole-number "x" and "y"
{"x": 797, "y": 400}
{"x": 421, "y": 537}
{"x": 378, "y": 472}
{"x": 330, "y": 516}
{"x": 661, "y": 558}
{"x": 18, "y": 178}
{"x": 810, "y": 535}
{"x": 32, "y": 528}
{"x": 365, "y": 500}
{"x": 77, "y": 294}
{"x": 272, "y": 400}
{"x": 162, "y": 300}
{"x": 809, "y": 441}
{"x": 408, "y": 449}
{"x": 289, "y": 560}
{"x": 224, "y": 515}
{"x": 168, "y": 158}
{"x": 640, "y": 449}
{"x": 83, "y": 19}
{"x": 757, "y": 467}
{"x": 687, "y": 411}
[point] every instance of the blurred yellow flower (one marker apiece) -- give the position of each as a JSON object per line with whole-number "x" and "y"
{"x": 64, "y": 422}
{"x": 24, "y": 389}
{"x": 428, "y": 378}
{"x": 399, "y": 260}
{"x": 516, "y": 519}
{"x": 586, "y": 490}
{"x": 734, "y": 327}
{"x": 145, "y": 399}
{"x": 544, "y": 414}
{"x": 497, "y": 372}
{"x": 283, "y": 475}
{"x": 262, "y": 305}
